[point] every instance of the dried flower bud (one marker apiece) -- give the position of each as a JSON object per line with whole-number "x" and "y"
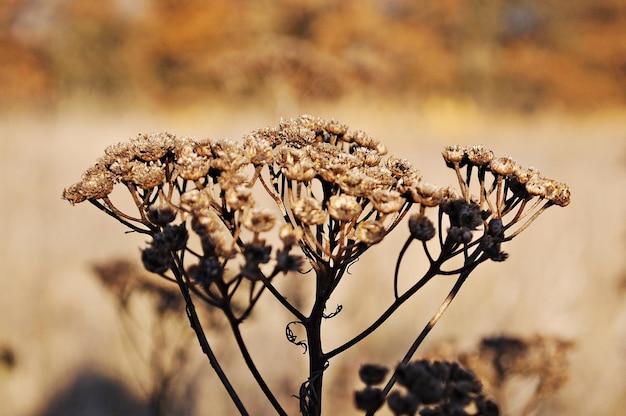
{"x": 173, "y": 237}
{"x": 478, "y": 155}
{"x": 426, "y": 194}
{"x": 403, "y": 404}
{"x": 496, "y": 228}
{"x": 401, "y": 168}
{"x": 355, "y": 182}
{"x": 286, "y": 262}
{"x": 155, "y": 259}
{"x": 386, "y": 201}
{"x": 194, "y": 200}
{"x": 258, "y": 150}
{"x": 336, "y": 128}
{"x": 190, "y": 165}
{"x": 421, "y": 227}
{"x": 536, "y": 186}
{"x": 461, "y": 235}
{"x": 209, "y": 270}
{"x": 302, "y": 171}
{"x": 559, "y": 193}
{"x": 97, "y": 182}
{"x": 370, "y": 232}
{"x": 205, "y": 222}
{"x": 73, "y": 194}
{"x": 370, "y": 399}
{"x": 152, "y": 146}
{"x": 309, "y": 211}
{"x": 344, "y": 207}
{"x": 368, "y": 157}
{"x": 504, "y": 166}
{"x": 258, "y": 220}
{"x": 148, "y": 176}
{"x": 289, "y": 235}
{"x": 372, "y": 374}
{"x": 454, "y": 154}
{"x": 161, "y": 215}
{"x": 239, "y": 197}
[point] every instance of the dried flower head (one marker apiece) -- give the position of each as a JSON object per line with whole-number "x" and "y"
{"x": 453, "y": 154}
{"x": 290, "y": 235}
{"x": 370, "y": 232}
{"x": 504, "y": 166}
{"x": 309, "y": 210}
{"x": 344, "y": 207}
{"x": 258, "y": 220}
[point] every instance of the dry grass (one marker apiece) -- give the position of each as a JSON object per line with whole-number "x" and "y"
{"x": 565, "y": 278}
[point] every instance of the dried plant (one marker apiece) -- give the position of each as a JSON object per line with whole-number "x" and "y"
{"x": 337, "y": 193}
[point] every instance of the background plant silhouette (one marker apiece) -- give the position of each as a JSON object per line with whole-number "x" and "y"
{"x": 336, "y": 193}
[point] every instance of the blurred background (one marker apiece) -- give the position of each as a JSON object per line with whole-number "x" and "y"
{"x": 541, "y": 81}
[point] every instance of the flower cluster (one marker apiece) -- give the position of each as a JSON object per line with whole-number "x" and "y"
{"x": 431, "y": 388}
{"x": 336, "y": 194}
{"x": 337, "y": 190}
{"x": 504, "y": 185}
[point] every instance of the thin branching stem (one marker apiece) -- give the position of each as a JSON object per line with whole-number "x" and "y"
{"x": 196, "y": 325}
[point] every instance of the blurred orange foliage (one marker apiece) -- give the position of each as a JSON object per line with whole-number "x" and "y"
{"x": 519, "y": 55}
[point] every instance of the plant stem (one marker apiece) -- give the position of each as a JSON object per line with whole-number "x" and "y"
{"x": 204, "y": 343}
{"x": 234, "y": 324}
{"x": 430, "y": 325}
{"x": 385, "y": 315}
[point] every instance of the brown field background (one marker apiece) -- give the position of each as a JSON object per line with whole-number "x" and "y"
{"x": 530, "y": 79}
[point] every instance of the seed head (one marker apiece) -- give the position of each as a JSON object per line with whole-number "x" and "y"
{"x": 286, "y": 262}
{"x": 148, "y": 176}
{"x": 370, "y": 399}
{"x": 194, "y": 200}
{"x": 536, "y": 186}
{"x": 386, "y": 201}
{"x": 309, "y": 210}
{"x": 344, "y": 207}
{"x": 190, "y": 165}
{"x": 478, "y": 155}
{"x": 336, "y": 128}
{"x": 558, "y": 193}
{"x": 372, "y": 374}
{"x": 97, "y": 182}
{"x": 289, "y": 235}
{"x": 504, "y": 166}
{"x": 370, "y": 232}
{"x": 161, "y": 215}
{"x": 421, "y": 227}
{"x": 258, "y": 220}
{"x": 155, "y": 259}
{"x": 152, "y": 146}
{"x": 239, "y": 197}
{"x": 258, "y": 150}
{"x": 453, "y": 154}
